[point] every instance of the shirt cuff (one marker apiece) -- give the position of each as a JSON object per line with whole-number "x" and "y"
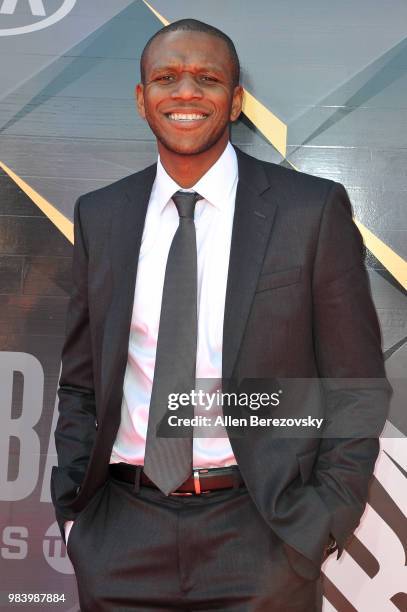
{"x": 67, "y": 528}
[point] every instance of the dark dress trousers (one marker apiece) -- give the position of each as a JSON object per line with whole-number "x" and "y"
{"x": 298, "y": 307}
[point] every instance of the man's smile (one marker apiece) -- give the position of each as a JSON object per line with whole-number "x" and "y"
{"x": 186, "y": 117}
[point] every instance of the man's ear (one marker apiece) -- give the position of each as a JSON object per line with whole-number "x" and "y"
{"x": 139, "y": 93}
{"x": 237, "y": 102}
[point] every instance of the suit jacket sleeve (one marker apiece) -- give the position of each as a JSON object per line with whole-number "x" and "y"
{"x": 347, "y": 342}
{"x": 75, "y": 430}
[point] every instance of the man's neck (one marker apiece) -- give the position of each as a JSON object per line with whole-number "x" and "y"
{"x": 186, "y": 170}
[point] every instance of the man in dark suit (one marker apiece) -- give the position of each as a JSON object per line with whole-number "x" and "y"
{"x": 210, "y": 265}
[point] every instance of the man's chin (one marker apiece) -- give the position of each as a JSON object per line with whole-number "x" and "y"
{"x": 186, "y": 148}
{"x": 189, "y": 146}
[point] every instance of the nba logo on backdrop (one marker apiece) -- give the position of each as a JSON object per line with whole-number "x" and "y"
{"x": 25, "y": 16}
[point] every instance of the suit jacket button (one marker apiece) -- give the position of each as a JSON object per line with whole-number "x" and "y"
{"x": 78, "y": 489}
{"x": 96, "y": 424}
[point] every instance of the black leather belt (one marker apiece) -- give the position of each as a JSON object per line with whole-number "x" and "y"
{"x": 201, "y": 481}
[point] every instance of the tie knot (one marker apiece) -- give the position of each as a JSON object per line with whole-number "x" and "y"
{"x": 185, "y": 202}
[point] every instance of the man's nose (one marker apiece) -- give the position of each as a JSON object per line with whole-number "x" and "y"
{"x": 187, "y": 87}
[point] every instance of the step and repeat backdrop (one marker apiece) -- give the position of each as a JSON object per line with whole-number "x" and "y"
{"x": 326, "y": 91}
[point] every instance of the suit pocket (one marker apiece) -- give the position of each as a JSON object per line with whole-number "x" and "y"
{"x": 92, "y": 504}
{"x": 76, "y": 523}
{"x": 280, "y": 278}
{"x": 72, "y": 532}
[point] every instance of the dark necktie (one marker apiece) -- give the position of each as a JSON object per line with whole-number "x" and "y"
{"x": 168, "y": 454}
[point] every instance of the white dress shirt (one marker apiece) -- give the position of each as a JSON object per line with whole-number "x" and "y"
{"x": 213, "y": 222}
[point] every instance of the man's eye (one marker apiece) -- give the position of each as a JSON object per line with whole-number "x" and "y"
{"x": 164, "y": 77}
{"x": 206, "y": 77}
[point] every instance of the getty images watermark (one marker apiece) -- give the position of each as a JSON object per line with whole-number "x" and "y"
{"x": 289, "y": 407}
{"x": 199, "y": 399}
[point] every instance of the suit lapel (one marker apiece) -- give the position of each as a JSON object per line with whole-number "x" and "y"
{"x": 125, "y": 241}
{"x": 255, "y": 208}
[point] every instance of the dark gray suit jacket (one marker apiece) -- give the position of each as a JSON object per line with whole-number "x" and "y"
{"x": 298, "y": 306}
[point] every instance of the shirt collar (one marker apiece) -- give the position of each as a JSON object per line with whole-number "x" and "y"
{"x": 215, "y": 185}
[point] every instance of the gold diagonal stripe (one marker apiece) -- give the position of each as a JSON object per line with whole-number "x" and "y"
{"x": 396, "y": 265}
{"x": 266, "y": 122}
{"x": 157, "y": 14}
{"x": 58, "y": 219}
{"x": 275, "y": 131}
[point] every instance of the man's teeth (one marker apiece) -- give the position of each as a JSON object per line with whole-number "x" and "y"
{"x": 186, "y": 117}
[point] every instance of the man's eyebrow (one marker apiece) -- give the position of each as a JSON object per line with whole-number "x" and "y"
{"x": 192, "y": 68}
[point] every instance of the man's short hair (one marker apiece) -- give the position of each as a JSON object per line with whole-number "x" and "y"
{"x": 193, "y": 25}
